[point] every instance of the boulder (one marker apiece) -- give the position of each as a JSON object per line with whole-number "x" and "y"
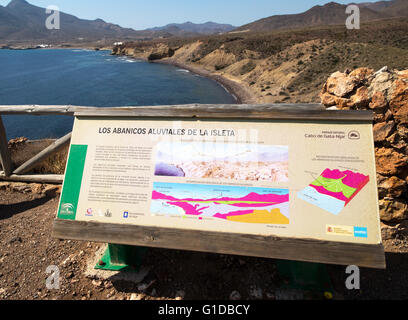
{"x": 340, "y": 85}
{"x": 403, "y": 132}
{"x": 391, "y": 231}
{"x": 327, "y": 99}
{"x": 160, "y": 52}
{"x": 20, "y": 187}
{"x": 393, "y": 187}
{"x": 382, "y": 117}
{"x": 382, "y": 82}
{"x": 384, "y": 92}
{"x": 399, "y": 101}
{"x": 383, "y": 130}
{"x": 52, "y": 191}
{"x": 343, "y": 103}
{"x": 360, "y": 99}
{"x": 393, "y": 210}
{"x": 361, "y": 75}
{"x": 36, "y": 188}
{"x": 389, "y": 162}
{"x": 15, "y": 143}
{"x": 378, "y": 102}
{"x": 4, "y": 185}
{"x": 397, "y": 142}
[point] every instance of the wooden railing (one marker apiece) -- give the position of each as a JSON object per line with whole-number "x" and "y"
{"x": 261, "y": 111}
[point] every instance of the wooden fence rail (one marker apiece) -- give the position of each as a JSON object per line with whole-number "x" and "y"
{"x": 5, "y": 157}
{"x": 194, "y": 111}
{"x": 71, "y": 110}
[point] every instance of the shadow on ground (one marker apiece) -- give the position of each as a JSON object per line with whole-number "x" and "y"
{"x": 9, "y": 210}
{"x": 391, "y": 283}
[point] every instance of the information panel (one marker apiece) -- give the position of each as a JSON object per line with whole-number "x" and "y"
{"x": 290, "y": 179}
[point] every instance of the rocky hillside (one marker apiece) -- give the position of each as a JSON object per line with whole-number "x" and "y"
{"x": 329, "y": 14}
{"x": 385, "y": 92}
{"x": 285, "y": 66}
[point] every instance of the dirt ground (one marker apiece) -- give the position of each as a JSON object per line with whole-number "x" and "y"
{"x": 27, "y": 249}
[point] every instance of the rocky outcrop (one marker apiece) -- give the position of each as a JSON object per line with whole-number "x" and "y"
{"x": 15, "y": 143}
{"x": 154, "y": 52}
{"x": 385, "y": 92}
{"x": 36, "y": 189}
{"x": 160, "y": 52}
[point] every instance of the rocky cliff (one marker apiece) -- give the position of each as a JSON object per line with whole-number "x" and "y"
{"x": 281, "y": 66}
{"x": 275, "y": 78}
{"x": 385, "y": 92}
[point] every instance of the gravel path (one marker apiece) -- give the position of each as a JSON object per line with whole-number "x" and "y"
{"x": 27, "y": 249}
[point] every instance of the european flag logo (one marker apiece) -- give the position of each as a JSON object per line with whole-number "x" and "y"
{"x": 125, "y": 214}
{"x": 360, "y": 232}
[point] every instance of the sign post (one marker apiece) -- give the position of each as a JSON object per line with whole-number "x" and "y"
{"x": 121, "y": 257}
{"x": 282, "y": 182}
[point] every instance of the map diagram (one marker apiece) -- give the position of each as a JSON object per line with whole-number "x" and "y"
{"x": 230, "y": 203}
{"x": 334, "y": 189}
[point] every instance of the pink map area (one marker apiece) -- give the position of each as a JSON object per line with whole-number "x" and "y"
{"x": 189, "y": 208}
{"x": 196, "y": 206}
{"x": 351, "y": 179}
{"x": 253, "y": 196}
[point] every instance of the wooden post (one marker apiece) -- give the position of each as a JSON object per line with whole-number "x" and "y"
{"x": 34, "y": 178}
{"x": 5, "y": 157}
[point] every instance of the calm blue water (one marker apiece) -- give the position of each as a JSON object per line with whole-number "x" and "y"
{"x": 91, "y": 78}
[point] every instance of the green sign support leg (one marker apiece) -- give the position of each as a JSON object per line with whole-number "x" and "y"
{"x": 306, "y": 276}
{"x": 119, "y": 257}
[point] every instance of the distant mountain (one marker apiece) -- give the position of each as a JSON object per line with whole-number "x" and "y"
{"x": 8, "y": 22}
{"x": 21, "y": 21}
{"x": 394, "y": 8}
{"x": 329, "y": 14}
{"x": 195, "y": 28}
{"x": 376, "y": 6}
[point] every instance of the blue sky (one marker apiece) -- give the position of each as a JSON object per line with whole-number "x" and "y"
{"x": 140, "y": 14}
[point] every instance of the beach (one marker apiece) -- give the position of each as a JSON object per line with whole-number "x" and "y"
{"x": 241, "y": 94}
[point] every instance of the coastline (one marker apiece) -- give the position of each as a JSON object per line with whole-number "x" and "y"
{"x": 241, "y": 94}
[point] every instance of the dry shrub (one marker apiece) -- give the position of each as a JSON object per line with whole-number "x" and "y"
{"x": 55, "y": 164}
{"x": 26, "y": 149}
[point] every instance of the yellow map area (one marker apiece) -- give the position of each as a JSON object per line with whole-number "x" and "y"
{"x": 261, "y": 216}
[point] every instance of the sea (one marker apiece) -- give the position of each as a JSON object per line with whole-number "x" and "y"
{"x": 91, "y": 78}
